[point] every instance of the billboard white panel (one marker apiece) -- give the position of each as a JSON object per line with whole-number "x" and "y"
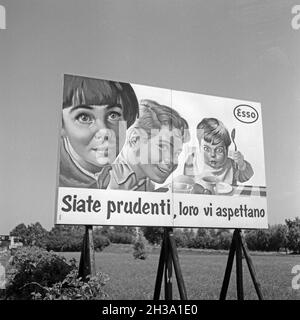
{"x": 189, "y": 160}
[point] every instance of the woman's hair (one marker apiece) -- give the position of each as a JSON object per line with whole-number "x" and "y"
{"x": 153, "y": 116}
{"x": 80, "y": 90}
{"x": 213, "y": 131}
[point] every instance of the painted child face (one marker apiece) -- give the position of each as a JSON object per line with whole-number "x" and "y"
{"x": 93, "y": 131}
{"x": 215, "y": 155}
{"x": 162, "y": 152}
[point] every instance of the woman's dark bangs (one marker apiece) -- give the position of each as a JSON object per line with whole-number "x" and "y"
{"x": 81, "y": 90}
{"x": 100, "y": 92}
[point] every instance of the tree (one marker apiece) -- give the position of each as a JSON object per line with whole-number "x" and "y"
{"x": 189, "y": 236}
{"x": 202, "y": 239}
{"x": 278, "y": 237}
{"x": 224, "y": 237}
{"x": 293, "y": 235}
{"x": 179, "y": 238}
{"x": 32, "y": 235}
{"x": 20, "y": 231}
{"x": 153, "y": 234}
{"x": 37, "y": 235}
{"x": 258, "y": 239}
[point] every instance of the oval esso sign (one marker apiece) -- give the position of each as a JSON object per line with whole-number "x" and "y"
{"x": 245, "y": 113}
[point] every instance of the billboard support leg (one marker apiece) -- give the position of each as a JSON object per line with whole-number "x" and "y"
{"x": 169, "y": 257}
{"x": 160, "y": 271}
{"x": 238, "y": 246}
{"x": 178, "y": 273}
{"x": 251, "y": 269}
{"x": 228, "y": 269}
{"x": 168, "y": 267}
{"x": 239, "y": 266}
{"x": 87, "y": 257}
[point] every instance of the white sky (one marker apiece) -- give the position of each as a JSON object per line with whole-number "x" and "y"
{"x": 243, "y": 49}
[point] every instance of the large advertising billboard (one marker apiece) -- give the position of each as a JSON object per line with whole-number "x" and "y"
{"x": 138, "y": 155}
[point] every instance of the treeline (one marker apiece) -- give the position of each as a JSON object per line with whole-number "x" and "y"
{"x": 69, "y": 238}
{"x": 284, "y": 237}
{"x": 277, "y": 237}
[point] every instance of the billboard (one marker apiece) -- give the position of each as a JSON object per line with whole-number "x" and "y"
{"x": 138, "y": 155}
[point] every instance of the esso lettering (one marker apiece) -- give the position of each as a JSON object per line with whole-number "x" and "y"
{"x": 245, "y": 113}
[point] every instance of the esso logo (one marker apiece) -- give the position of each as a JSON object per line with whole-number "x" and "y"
{"x": 245, "y": 113}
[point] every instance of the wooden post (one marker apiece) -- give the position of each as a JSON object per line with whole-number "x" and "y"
{"x": 160, "y": 271}
{"x": 87, "y": 258}
{"x": 252, "y": 270}
{"x": 239, "y": 266}
{"x": 238, "y": 245}
{"x": 168, "y": 266}
{"x": 228, "y": 269}
{"x": 180, "y": 282}
{"x": 169, "y": 256}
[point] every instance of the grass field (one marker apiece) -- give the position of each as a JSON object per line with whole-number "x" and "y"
{"x": 202, "y": 271}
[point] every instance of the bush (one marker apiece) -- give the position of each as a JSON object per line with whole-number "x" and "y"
{"x": 184, "y": 238}
{"x": 125, "y": 229}
{"x": 31, "y": 268}
{"x": 65, "y": 238}
{"x": 120, "y": 237}
{"x": 73, "y": 288}
{"x": 117, "y": 234}
{"x": 100, "y": 242}
{"x": 37, "y": 274}
{"x": 139, "y": 248}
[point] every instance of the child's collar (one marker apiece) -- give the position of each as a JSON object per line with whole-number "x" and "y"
{"x": 73, "y": 155}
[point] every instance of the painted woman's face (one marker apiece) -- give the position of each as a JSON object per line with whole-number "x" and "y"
{"x": 93, "y": 132}
{"x": 215, "y": 155}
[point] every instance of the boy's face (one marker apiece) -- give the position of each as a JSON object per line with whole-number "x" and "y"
{"x": 93, "y": 131}
{"x": 159, "y": 155}
{"x": 215, "y": 155}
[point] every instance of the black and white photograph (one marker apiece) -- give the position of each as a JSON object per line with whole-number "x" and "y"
{"x": 149, "y": 154}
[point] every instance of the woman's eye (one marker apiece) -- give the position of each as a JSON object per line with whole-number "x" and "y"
{"x": 84, "y": 118}
{"x": 206, "y": 149}
{"x": 220, "y": 150}
{"x": 114, "y": 116}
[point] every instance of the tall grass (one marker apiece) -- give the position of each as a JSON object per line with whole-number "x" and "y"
{"x": 133, "y": 279}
